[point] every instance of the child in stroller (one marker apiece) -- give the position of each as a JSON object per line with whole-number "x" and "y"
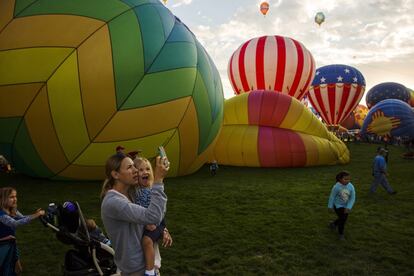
{"x": 90, "y": 256}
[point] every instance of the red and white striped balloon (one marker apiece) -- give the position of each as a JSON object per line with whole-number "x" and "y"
{"x": 273, "y": 63}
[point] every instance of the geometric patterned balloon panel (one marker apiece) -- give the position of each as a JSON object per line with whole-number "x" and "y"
{"x": 78, "y": 78}
{"x": 390, "y": 118}
{"x": 387, "y": 90}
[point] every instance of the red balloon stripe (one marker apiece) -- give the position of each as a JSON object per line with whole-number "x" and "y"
{"x": 281, "y": 63}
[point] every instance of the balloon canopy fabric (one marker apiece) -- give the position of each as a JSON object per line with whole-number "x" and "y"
{"x": 275, "y": 63}
{"x": 390, "y": 118}
{"x": 387, "y": 90}
{"x": 267, "y": 129}
{"x": 264, "y": 8}
{"x": 356, "y": 118}
{"x": 335, "y": 92}
{"x": 79, "y": 78}
{"x": 411, "y": 96}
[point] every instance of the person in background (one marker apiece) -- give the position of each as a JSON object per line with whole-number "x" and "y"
{"x": 213, "y": 168}
{"x": 10, "y": 219}
{"x": 379, "y": 172}
{"x": 341, "y": 200}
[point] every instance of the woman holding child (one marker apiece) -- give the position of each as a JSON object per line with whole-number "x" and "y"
{"x": 123, "y": 219}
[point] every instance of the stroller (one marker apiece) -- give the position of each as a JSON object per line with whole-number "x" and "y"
{"x": 89, "y": 256}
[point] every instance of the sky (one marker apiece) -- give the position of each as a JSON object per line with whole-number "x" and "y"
{"x": 374, "y": 36}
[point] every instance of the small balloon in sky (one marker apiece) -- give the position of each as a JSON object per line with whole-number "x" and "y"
{"x": 319, "y": 18}
{"x": 264, "y": 7}
{"x": 165, "y": 2}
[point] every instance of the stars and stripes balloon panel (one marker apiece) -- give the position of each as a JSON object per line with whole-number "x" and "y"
{"x": 387, "y": 90}
{"x": 335, "y": 92}
{"x": 273, "y": 63}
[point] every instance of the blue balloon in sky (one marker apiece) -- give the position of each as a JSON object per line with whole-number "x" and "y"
{"x": 387, "y": 90}
{"x": 390, "y": 118}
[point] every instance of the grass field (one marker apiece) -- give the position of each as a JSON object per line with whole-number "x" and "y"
{"x": 253, "y": 221}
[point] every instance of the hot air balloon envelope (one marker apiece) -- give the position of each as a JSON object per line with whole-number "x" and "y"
{"x": 387, "y": 90}
{"x": 274, "y": 63}
{"x": 319, "y": 18}
{"x": 335, "y": 92}
{"x": 390, "y": 118}
{"x": 264, "y": 8}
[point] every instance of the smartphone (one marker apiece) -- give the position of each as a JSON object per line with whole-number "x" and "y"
{"x": 163, "y": 154}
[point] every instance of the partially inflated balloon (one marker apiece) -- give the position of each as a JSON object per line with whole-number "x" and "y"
{"x": 267, "y": 129}
{"x": 275, "y": 63}
{"x": 335, "y": 92}
{"x": 389, "y": 118}
{"x": 79, "y": 78}
{"x": 387, "y": 90}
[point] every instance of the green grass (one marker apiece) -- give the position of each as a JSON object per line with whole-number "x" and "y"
{"x": 254, "y": 221}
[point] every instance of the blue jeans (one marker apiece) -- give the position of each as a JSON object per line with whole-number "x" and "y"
{"x": 8, "y": 257}
{"x": 380, "y": 179}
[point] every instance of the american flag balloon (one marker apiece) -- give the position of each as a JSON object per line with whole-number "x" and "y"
{"x": 335, "y": 92}
{"x": 274, "y": 63}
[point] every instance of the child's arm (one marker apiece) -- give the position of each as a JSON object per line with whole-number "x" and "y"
{"x": 352, "y": 198}
{"x": 22, "y": 220}
{"x": 150, "y": 227}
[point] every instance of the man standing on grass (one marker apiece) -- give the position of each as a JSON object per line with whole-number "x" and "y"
{"x": 379, "y": 171}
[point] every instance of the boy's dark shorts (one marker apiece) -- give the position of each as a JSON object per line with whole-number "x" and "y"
{"x": 157, "y": 234}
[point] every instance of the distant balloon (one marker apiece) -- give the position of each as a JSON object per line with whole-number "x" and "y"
{"x": 264, "y": 8}
{"x": 319, "y": 18}
{"x": 412, "y": 96}
{"x": 165, "y": 1}
{"x": 336, "y": 91}
{"x": 360, "y": 114}
{"x": 387, "y": 90}
{"x": 390, "y": 117}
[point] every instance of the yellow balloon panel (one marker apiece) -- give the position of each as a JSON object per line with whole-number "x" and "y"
{"x": 162, "y": 116}
{"x": 188, "y": 131}
{"x": 97, "y": 153}
{"x": 95, "y": 73}
{"x": 30, "y": 65}
{"x": 15, "y": 99}
{"x": 7, "y": 8}
{"x": 62, "y": 31}
{"x": 66, "y": 107}
{"x": 43, "y": 135}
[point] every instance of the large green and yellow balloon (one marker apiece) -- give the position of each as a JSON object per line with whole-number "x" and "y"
{"x": 78, "y": 78}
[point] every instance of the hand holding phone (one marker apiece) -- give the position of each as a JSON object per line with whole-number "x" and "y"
{"x": 163, "y": 154}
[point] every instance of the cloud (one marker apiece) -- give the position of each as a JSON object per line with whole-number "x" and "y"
{"x": 181, "y": 3}
{"x": 376, "y": 37}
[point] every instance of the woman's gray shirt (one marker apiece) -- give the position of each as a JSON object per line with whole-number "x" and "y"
{"x": 124, "y": 222}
